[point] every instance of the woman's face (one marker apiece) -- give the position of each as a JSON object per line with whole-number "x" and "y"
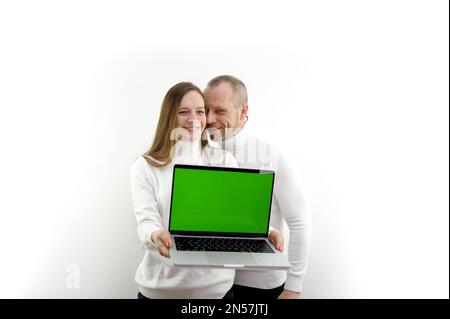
{"x": 191, "y": 115}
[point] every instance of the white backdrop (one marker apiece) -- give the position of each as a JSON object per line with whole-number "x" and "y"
{"x": 356, "y": 92}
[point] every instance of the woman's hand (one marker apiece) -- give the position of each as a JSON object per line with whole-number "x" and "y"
{"x": 162, "y": 240}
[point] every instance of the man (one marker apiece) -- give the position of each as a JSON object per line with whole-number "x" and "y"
{"x": 227, "y": 108}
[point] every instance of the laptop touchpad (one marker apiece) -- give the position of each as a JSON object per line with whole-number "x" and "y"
{"x": 230, "y": 258}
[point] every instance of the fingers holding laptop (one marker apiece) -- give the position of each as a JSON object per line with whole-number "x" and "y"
{"x": 276, "y": 238}
{"x": 162, "y": 240}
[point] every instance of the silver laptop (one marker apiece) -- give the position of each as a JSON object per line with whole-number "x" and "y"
{"x": 219, "y": 217}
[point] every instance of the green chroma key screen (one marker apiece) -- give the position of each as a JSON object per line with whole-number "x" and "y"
{"x": 207, "y": 200}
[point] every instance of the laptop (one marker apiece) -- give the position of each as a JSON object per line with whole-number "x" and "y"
{"x": 219, "y": 217}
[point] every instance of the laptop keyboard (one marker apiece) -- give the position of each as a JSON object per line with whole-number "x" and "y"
{"x": 222, "y": 244}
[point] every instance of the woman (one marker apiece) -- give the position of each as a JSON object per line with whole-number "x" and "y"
{"x": 177, "y": 140}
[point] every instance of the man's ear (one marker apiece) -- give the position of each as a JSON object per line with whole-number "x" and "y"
{"x": 244, "y": 111}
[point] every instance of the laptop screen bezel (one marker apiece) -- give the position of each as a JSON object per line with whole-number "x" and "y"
{"x": 228, "y": 169}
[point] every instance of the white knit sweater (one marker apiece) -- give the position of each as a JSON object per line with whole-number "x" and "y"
{"x": 289, "y": 206}
{"x": 151, "y": 189}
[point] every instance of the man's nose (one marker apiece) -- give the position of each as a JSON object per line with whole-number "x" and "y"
{"x": 211, "y": 118}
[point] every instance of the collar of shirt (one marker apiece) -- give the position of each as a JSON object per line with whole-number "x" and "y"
{"x": 187, "y": 152}
{"x": 233, "y": 143}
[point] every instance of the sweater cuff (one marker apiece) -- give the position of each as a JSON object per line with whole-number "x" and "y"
{"x": 146, "y": 236}
{"x": 294, "y": 283}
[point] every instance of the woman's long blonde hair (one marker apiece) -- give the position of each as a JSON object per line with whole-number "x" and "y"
{"x": 162, "y": 143}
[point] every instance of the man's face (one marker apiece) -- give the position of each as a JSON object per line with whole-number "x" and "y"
{"x": 222, "y": 113}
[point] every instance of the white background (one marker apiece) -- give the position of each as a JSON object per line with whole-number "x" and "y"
{"x": 356, "y": 92}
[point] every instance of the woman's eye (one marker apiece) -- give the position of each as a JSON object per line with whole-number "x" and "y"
{"x": 201, "y": 112}
{"x": 183, "y": 112}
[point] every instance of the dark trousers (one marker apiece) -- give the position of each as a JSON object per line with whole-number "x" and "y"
{"x": 246, "y": 293}
{"x": 228, "y": 295}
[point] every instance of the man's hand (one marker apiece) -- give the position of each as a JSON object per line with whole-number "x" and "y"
{"x": 276, "y": 238}
{"x": 289, "y": 294}
{"x": 162, "y": 240}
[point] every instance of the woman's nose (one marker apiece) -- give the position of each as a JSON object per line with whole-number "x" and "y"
{"x": 192, "y": 117}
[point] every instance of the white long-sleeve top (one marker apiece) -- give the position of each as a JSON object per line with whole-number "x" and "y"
{"x": 289, "y": 206}
{"x": 151, "y": 190}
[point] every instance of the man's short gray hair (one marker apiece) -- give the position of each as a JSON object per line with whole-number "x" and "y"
{"x": 239, "y": 90}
